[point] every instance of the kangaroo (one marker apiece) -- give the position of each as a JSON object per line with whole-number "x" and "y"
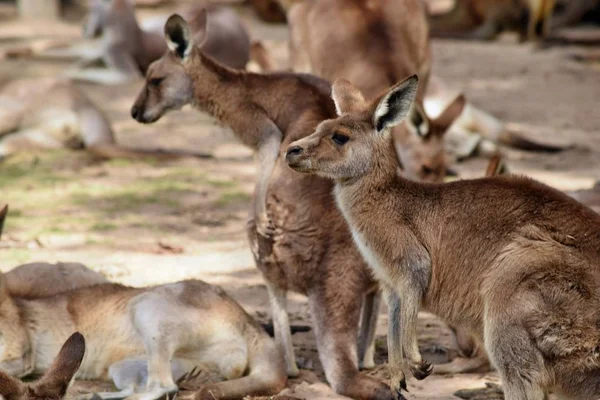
{"x": 475, "y": 130}
{"x": 485, "y": 19}
{"x": 55, "y": 382}
{"x": 131, "y": 338}
{"x": 528, "y": 252}
{"x": 304, "y": 244}
{"x": 128, "y": 50}
{"x": 372, "y": 43}
{"x": 49, "y": 113}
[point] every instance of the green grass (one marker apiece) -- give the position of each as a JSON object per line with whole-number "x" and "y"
{"x": 230, "y": 197}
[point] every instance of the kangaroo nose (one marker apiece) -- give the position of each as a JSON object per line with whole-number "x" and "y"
{"x": 294, "y": 151}
{"x": 135, "y": 112}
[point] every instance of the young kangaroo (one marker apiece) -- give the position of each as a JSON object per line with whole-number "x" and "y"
{"x": 300, "y": 242}
{"x": 507, "y": 258}
{"x": 55, "y": 382}
{"x": 49, "y": 113}
{"x": 142, "y": 337}
{"x": 128, "y": 50}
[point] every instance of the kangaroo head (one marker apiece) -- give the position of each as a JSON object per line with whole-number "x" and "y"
{"x": 342, "y": 148}
{"x": 53, "y": 385}
{"x": 3, "y": 213}
{"x": 15, "y": 350}
{"x": 169, "y": 84}
{"x": 421, "y": 150}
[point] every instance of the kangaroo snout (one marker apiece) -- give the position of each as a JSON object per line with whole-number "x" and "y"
{"x": 135, "y": 112}
{"x": 294, "y": 156}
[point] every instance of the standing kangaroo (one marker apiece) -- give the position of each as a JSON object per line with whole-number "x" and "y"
{"x": 55, "y": 382}
{"x": 373, "y": 43}
{"x": 128, "y": 50}
{"x": 508, "y": 258}
{"x": 303, "y": 244}
{"x": 144, "y": 338}
{"x": 49, "y": 113}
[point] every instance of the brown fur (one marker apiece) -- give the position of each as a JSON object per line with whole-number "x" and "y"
{"x": 529, "y": 251}
{"x": 49, "y": 113}
{"x": 373, "y": 43}
{"x": 307, "y": 248}
{"x": 53, "y": 385}
{"x": 124, "y": 324}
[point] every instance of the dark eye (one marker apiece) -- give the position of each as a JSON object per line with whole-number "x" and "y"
{"x": 427, "y": 170}
{"x": 340, "y": 139}
{"x": 155, "y": 81}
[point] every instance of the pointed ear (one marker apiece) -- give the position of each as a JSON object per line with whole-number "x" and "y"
{"x": 395, "y": 104}
{"x": 449, "y": 115}
{"x": 178, "y": 36}
{"x": 346, "y": 97}
{"x": 56, "y": 380}
{"x": 199, "y": 25}
{"x": 418, "y": 121}
{"x": 3, "y": 213}
{"x": 10, "y": 388}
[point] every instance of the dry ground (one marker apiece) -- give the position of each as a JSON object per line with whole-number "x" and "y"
{"x": 144, "y": 223}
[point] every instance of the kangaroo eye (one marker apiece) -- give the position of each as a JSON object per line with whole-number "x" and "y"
{"x": 340, "y": 139}
{"x": 155, "y": 81}
{"x": 427, "y": 170}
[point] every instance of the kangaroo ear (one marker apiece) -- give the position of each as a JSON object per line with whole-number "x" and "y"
{"x": 449, "y": 115}
{"x": 199, "y": 25}
{"x": 394, "y": 106}
{"x": 346, "y": 97}
{"x": 418, "y": 122}
{"x": 56, "y": 380}
{"x": 10, "y": 388}
{"x": 178, "y": 36}
{"x": 3, "y": 213}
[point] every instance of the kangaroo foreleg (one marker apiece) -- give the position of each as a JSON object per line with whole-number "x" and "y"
{"x": 268, "y": 152}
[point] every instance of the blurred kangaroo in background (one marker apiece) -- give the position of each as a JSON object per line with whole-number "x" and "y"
{"x": 127, "y": 49}
{"x": 297, "y": 235}
{"x": 485, "y": 19}
{"x": 49, "y": 113}
{"x": 55, "y": 382}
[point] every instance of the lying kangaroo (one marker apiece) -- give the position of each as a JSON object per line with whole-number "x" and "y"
{"x": 128, "y": 50}
{"x": 305, "y": 245}
{"x": 55, "y": 382}
{"x": 485, "y": 19}
{"x": 508, "y": 258}
{"x": 475, "y": 130}
{"x": 141, "y": 337}
{"x": 49, "y": 113}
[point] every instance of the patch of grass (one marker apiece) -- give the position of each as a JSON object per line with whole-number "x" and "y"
{"x": 230, "y": 197}
{"x": 16, "y": 256}
{"x": 103, "y": 226}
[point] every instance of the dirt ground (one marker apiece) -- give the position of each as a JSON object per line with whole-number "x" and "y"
{"x": 144, "y": 223}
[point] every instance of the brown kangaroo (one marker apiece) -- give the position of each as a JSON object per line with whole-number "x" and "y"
{"x": 49, "y": 113}
{"x": 485, "y": 19}
{"x": 373, "y": 43}
{"x": 55, "y": 382}
{"x": 304, "y": 244}
{"x": 128, "y": 50}
{"x": 144, "y": 339}
{"x": 507, "y": 258}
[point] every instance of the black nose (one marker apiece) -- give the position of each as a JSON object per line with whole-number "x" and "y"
{"x": 135, "y": 112}
{"x": 294, "y": 151}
